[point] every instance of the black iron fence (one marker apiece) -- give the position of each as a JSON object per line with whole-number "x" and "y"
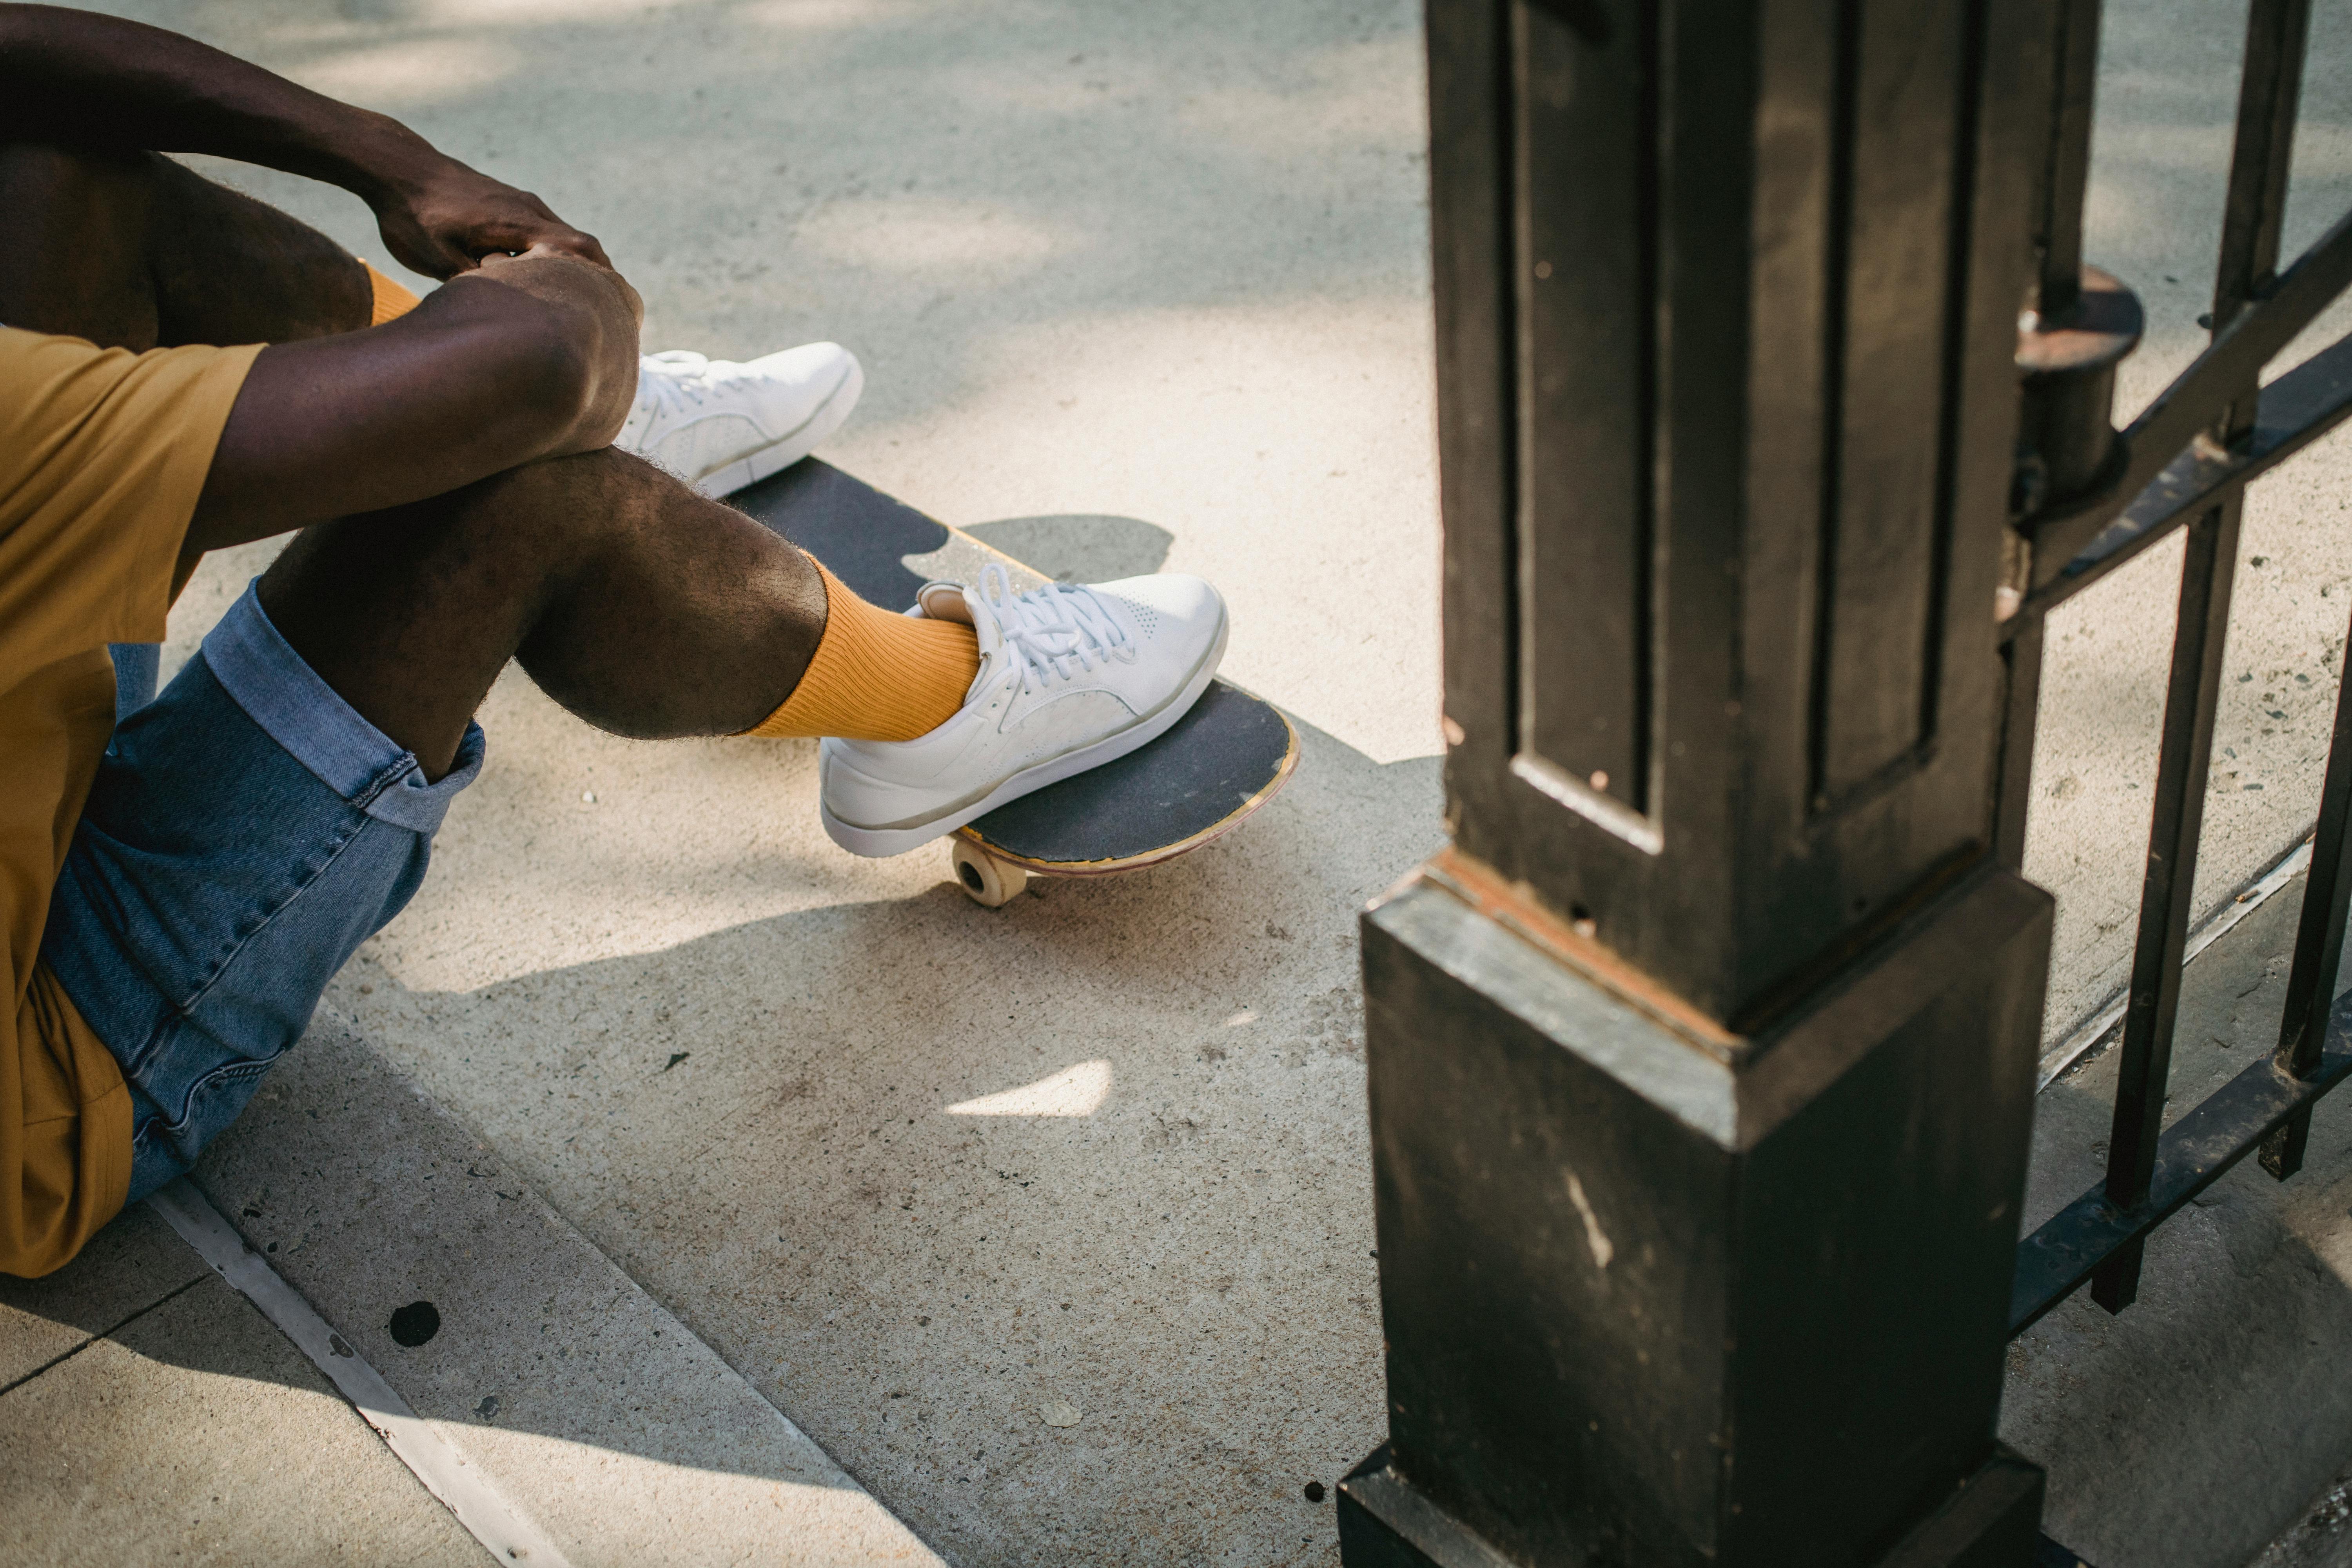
{"x": 2182, "y": 465}
{"x": 1775, "y": 412}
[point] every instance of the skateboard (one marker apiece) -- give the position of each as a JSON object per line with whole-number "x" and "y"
{"x": 1225, "y": 759}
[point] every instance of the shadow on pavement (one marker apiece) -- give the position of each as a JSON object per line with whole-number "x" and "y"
{"x": 762, "y": 1127}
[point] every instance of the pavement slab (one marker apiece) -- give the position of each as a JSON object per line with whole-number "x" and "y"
{"x": 195, "y": 1433}
{"x": 129, "y": 1267}
{"x": 586, "y": 1406}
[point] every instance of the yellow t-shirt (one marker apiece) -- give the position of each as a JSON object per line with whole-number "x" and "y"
{"x": 103, "y": 455}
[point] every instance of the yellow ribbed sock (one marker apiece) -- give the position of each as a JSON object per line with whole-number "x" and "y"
{"x": 392, "y": 300}
{"x": 876, "y": 676}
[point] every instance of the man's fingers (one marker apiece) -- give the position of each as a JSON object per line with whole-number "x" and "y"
{"x": 542, "y": 251}
{"x": 421, "y": 250}
{"x": 522, "y": 239}
{"x": 555, "y": 238}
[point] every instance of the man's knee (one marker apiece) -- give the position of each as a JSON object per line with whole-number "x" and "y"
{"x": 230, "y": 268}
{"x": 586, "y": 493}
{"x": 509, "y": 530}
{"x": 131, "y": 249}
{"x": 80, "y": 177}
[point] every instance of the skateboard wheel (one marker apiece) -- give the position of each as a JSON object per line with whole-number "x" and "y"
{"x": 986, "y": 879}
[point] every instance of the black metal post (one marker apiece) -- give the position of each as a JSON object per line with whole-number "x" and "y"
{"x": 1702, "y": 1063}
{"x": 2249, "y": 248}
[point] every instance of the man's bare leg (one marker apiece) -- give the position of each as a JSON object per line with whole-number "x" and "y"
{"x": 638, "y": 605}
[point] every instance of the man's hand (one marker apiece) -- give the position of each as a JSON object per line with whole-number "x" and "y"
{"x": 448, "y": 218}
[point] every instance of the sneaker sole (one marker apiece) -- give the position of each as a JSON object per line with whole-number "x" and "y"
{"x": 829, "y": 417}
{"x": 878, "y": 842}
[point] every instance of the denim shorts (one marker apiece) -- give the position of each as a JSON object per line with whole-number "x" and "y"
{"x": 246, "y": 831}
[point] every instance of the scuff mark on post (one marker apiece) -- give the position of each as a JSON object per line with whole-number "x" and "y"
{"x": 1603, "y": 1249}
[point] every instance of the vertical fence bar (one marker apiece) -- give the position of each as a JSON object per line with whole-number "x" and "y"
{"x": 2022, "y": 703}
{"x": 2267, "y": 96}
{"x": 2076, "y": 80}
{"x": 2319, "y": 932}
{"x": 2277, "y": 35}
{"x": 2170, "y": 884}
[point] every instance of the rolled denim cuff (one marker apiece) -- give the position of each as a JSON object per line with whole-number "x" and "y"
{"x": 260, "y": 670}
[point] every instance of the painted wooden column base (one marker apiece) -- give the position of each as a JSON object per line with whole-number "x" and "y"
{"x": 1654, "y": 1292}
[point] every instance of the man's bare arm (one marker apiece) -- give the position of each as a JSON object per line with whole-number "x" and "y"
{"x": 525, "y": 357}
{"x": 80, "y": 80}
{"x": 529, "y": 352}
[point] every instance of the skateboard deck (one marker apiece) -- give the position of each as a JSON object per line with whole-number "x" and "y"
{"x": 1225, "y": 759}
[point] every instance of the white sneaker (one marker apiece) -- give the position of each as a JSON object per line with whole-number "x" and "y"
{"x": 719, "y": 424}
{"x": 1070, "y": 677}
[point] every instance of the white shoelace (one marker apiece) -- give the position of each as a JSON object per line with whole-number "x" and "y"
{"x": 1049, "y": 629}
{"x": 667, "y": 382}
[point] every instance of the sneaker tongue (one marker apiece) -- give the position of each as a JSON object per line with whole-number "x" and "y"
{"x": 955, "y": 602}
{"x": 948, "y": 602}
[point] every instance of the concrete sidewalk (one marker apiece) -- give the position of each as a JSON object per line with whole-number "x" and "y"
{"x": 1134, "y": 286}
